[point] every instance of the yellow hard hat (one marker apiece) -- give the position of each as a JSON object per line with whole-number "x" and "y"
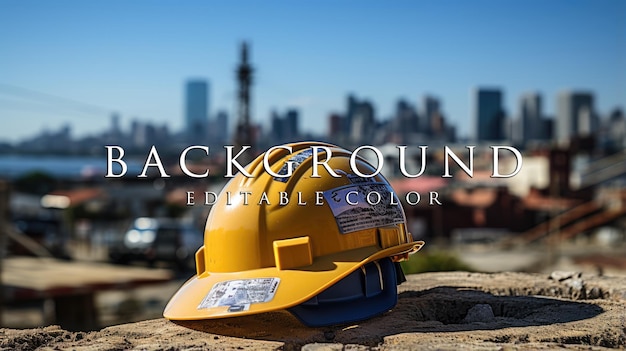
{"x": 320, "y": 247}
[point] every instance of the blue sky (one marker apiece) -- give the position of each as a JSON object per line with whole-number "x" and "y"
{"x": 77, "y": 61}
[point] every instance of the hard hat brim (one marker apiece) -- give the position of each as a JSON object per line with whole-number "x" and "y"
{"x": 295, "y": 286}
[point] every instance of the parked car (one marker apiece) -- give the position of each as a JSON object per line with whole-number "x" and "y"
{"x": 158, "y": 239}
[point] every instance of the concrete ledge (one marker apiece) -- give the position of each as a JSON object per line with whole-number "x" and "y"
{"x": 449, "y": 311}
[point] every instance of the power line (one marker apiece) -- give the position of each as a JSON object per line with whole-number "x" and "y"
{"x": 54, "y": 100}
{"x": 10, "y": 105}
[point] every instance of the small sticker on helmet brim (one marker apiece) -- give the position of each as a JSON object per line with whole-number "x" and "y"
{"x": 239, "y": 294}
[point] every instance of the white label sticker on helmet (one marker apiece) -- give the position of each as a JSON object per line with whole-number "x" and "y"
{"x": 239, "y": 294}
{"x": 295, "y": 161}
{"x": 355, "y": 179}
{"x": 364, "y": 206}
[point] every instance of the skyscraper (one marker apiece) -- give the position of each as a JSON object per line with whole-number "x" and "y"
{"x": 531, "y": 118}
{"x": 115, "y": 133}
{"x": 575, "y": 115}
{"x": 220, "y": 128}
{"x": 291, "y": 123}
{"x": 351, "y": 105}
{"x": 431, "y": 115}
{"x": 335, "y": 127}
{"x": 196, "y": 110}
{"x": 363, "y": 123}
{"x": 284, "y": 128}
{"x": 488, "y": 114}
{"x": 407, "y": 123}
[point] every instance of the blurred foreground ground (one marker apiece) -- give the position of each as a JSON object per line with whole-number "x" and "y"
{"x": 117, "y": 306}
{"x": 442, "y": 311}
{"x": 114, "y": 306}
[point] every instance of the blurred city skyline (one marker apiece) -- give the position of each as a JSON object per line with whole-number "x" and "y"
{"x": 77, "y": 63}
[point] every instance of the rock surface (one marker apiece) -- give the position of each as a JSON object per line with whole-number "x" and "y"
{"x": 435, "y": 311}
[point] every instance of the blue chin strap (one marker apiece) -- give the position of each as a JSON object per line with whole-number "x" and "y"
{"x": 365, "y": 293}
